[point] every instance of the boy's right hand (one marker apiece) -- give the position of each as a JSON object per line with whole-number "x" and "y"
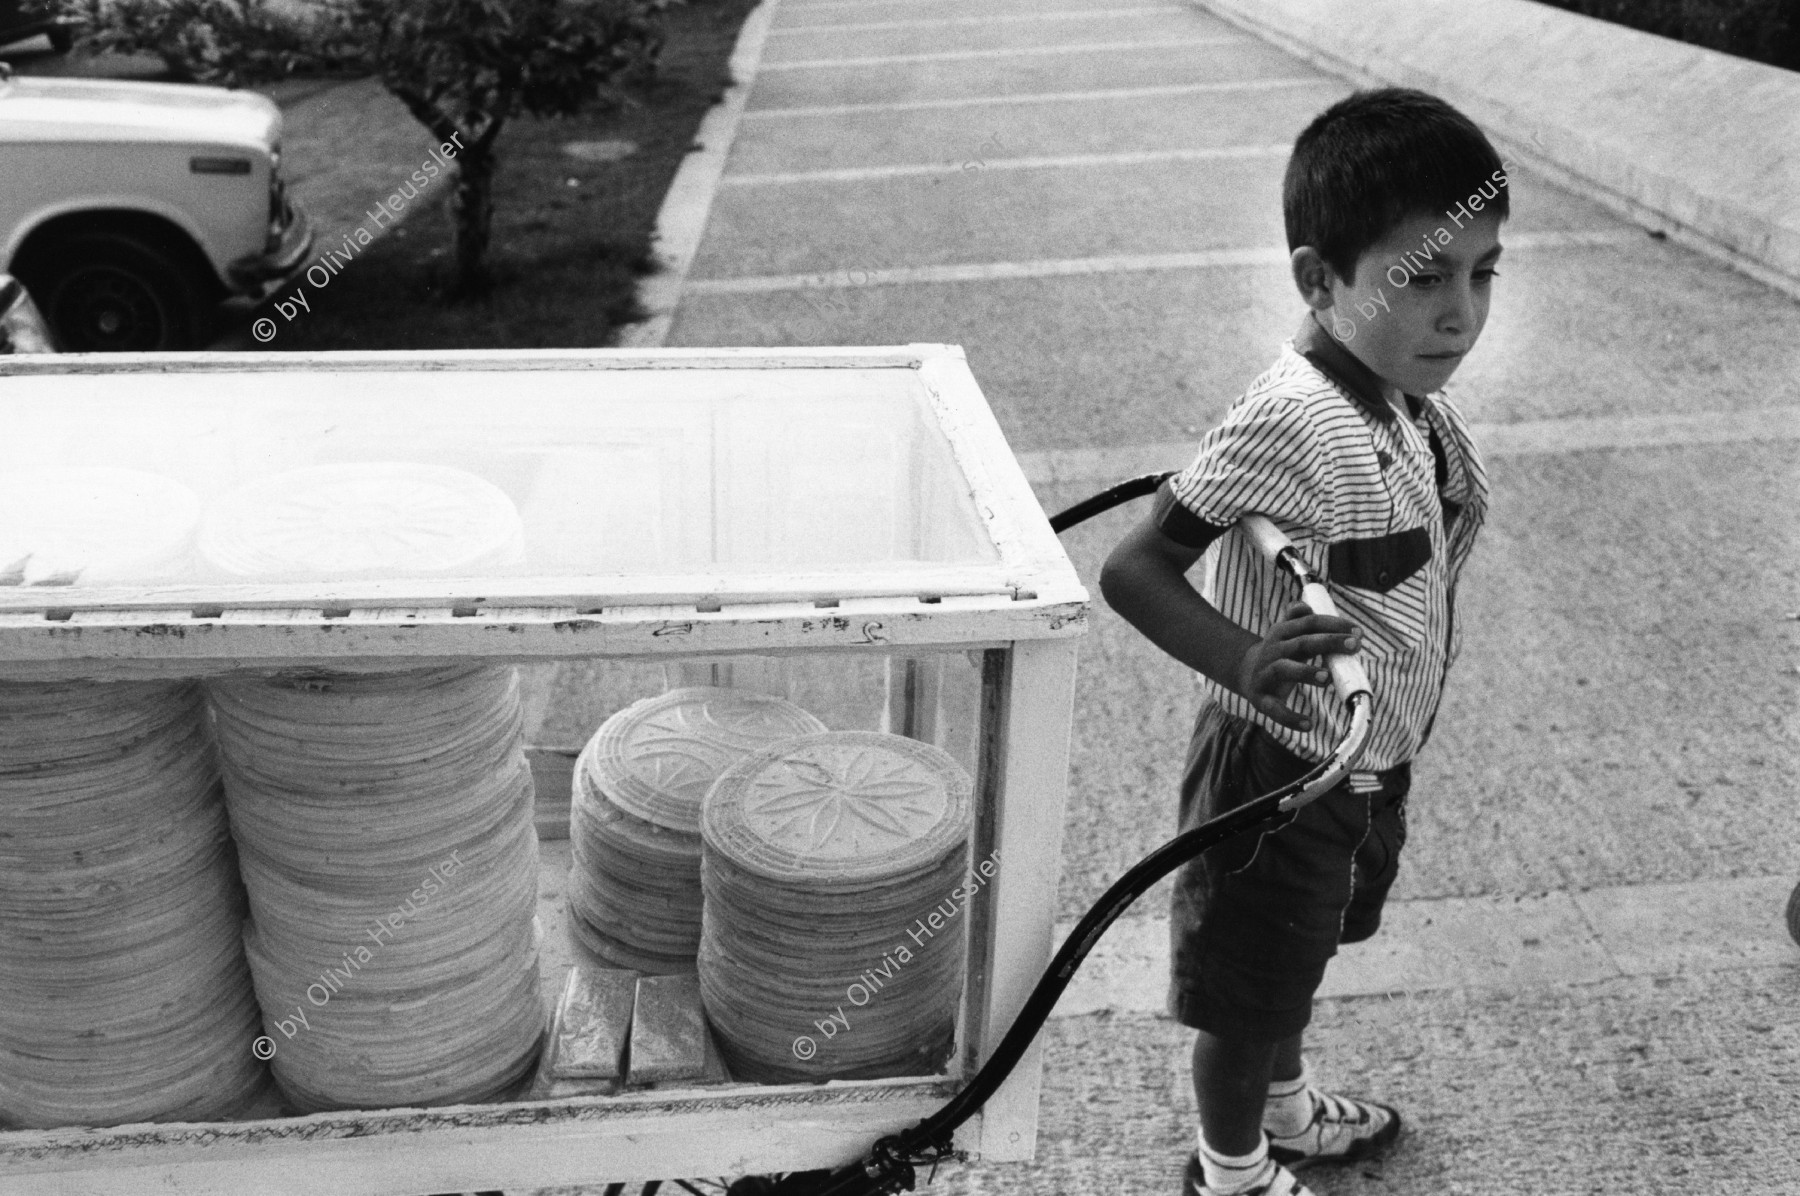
{"x": 1288, "y": 656}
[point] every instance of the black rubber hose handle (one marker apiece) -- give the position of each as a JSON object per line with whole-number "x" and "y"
{"x": 1106, "y": 500}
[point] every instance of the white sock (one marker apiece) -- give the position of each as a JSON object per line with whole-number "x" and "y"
{"x": 1230, "y": 1174}
{"x": 1289, "y": 1108}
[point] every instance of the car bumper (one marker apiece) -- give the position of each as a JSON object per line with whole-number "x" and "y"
{"x": 260, "y": 274}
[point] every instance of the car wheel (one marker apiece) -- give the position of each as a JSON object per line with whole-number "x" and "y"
{"x": 61, "y": 38}
{"x": 111, "y": 292}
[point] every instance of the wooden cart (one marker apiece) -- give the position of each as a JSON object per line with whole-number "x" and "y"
{"x": 839, "y": 508}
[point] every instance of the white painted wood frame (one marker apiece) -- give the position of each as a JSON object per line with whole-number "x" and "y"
{"x": 1024, "y": 612}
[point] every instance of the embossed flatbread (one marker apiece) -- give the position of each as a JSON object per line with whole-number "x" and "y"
{"x": 363, "y": 520}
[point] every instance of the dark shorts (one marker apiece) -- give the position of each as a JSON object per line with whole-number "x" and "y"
{"x": 1256, "y": 919}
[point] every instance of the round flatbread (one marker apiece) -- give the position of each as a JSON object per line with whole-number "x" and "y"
{"x": 95, "y": 526}
{"x": 377, "y": 519}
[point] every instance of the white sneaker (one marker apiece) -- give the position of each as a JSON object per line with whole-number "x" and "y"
{"x": 1281, "y": 1182}
{"x": 1341, "y": 1131}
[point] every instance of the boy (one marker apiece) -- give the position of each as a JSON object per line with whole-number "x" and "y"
{"x": 1393, "y": 202}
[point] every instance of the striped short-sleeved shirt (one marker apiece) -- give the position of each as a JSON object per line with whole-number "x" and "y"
{"x": 1383, "y": 504}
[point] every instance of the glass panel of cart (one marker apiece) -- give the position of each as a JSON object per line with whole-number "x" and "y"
{"x": 285, "y": 891}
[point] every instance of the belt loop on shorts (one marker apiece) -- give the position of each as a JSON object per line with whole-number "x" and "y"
{"x": 1387, "y": 781}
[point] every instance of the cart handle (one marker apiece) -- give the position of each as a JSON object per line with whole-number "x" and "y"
{"x": 1106, "y": 500}
{"x": 1347, "y": 673}
{"x": 891, "y": 1162}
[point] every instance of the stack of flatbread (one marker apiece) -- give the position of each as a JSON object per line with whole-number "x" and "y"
{"x": 384, "y": 824}
{"x": 123, "y": 990}
{"x": 634, "y": 889}
{"x": 834, "y": 924}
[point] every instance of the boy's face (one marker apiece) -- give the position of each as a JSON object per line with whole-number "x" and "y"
{"x": 1419, "y": 301}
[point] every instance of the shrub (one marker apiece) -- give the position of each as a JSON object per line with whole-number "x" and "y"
{"x": 463, "y": 68}
{"x": 1761, "y": 30}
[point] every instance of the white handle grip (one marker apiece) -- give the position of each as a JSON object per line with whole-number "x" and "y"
{"x": 1347, "y": 675}
{"x": 1265, "y": 535}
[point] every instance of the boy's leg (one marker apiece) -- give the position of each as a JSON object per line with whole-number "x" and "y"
{"x": 1242, "y": 1035}
{"x": 1231, "y": 1084}
{"x": 1236, "y": 1085}
{"x": 1253, "y": 924}
{"x": 1290, "y": 1060}
{"x": 1305, "y": 1124}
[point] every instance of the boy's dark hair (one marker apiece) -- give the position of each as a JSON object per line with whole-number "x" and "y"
{"x": 1375, "y": 158}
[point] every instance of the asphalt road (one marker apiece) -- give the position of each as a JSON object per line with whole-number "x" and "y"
{"x": 1087, "y": 199}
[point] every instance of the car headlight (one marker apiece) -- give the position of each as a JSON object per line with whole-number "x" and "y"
{"x": 279, "y": 216}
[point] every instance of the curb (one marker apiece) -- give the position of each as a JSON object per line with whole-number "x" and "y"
{"x": 1689, "y": 141}
{"x": 681, "y": 221}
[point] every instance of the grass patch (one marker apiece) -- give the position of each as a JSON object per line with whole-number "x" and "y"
{"x": 571, "y": 238}
{"x": 1760, "y": 30}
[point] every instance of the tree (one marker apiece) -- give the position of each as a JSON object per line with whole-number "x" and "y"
{"x": 463, "y": 68}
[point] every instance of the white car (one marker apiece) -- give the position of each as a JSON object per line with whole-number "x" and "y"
{"x": 130, "y": 211}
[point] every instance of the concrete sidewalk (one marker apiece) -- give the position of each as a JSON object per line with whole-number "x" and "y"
{"x": 1584, "y": 984}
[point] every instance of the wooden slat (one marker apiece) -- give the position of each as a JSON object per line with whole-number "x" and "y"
{"x": 159, "y": 644}
{"x": 1033, "y": 781}
{"x": 441, "y": 360}
{"x": 909, "y": 578}
{"x": 1016, "y": 522}
{"x": 633, "y": 1136}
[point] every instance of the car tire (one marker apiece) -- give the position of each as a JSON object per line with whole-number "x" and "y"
{"x": 114, "y": 292}
{"x": 62, "y": 38}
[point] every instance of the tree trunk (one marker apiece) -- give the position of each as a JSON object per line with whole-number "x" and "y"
{"x": 474, "y": 211}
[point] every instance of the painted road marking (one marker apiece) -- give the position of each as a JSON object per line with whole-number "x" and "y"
{"x": 810, "y": 64}
{"x": 1084, "y": 14}
{"x": 1048, "y": 97}
{"x": 1062, "y": 267}
{"x": 1582, "y": 434}
{"x": 1563, "y": 937}
{"x": 854, "y": 174}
